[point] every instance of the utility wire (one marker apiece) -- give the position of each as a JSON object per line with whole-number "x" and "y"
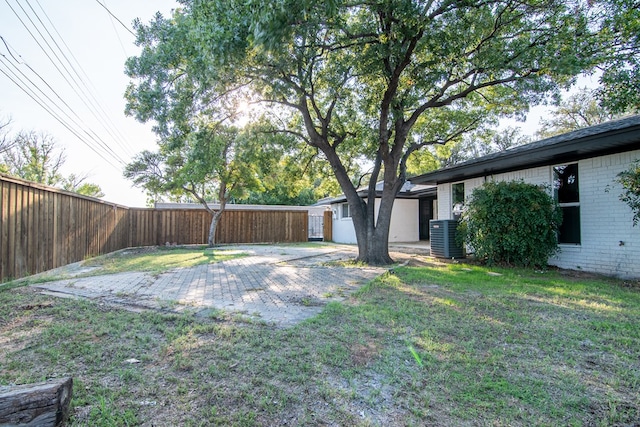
{"x": 93, "y": 87}
{"x": 116, "y": 32}
{"x": 116, "y": 18}
{"x": 82, "y": 94}
{"x": 99, "y": 112}
{"x": 76, "y": 88}
{"x": 29, "y": 87}
{"x": 20, "y": 84}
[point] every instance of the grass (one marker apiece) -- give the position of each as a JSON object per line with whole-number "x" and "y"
{"x": 447, "y": 345}
{"x": 158, "y": 260}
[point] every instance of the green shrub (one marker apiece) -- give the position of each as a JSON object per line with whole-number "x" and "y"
{"x": 511, "y": 223}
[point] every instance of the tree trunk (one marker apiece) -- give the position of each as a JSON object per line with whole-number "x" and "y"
{"x": 373, "y": 238}
{"x": 215, "y": 218}
{"x": 41, "y": 404}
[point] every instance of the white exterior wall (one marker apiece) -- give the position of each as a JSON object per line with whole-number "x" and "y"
{"x": 343, "y": 230}
{"x": 444, "y": 204}
{"x": 403, "y": 227}
{"x": 404, "y": 220}
{"x": 444, "y": 201}
{"x": 609, "y": 243}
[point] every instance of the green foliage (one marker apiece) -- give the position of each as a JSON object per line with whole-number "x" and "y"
{"x": 77, "y": 184}
{"x": 37, "y": 157}
{"x": 479, "y": 143}
{"x": 511, "y": 223}
{"x": 211, "y": 163}
{"x": 578, "y": 111}
{"x": 620, "y": 81}
{"x": 630, "y": 181}
{"x": 290, "y": 172}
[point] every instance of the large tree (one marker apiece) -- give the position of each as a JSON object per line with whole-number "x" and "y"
{"x": 380, "y": 78}
{"x": 35, "y": 157}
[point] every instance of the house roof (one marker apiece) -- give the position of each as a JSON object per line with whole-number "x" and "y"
{"x": 236, "y": 207}
{"x": 409, "y": 190}
{"x": 607, "y": 138}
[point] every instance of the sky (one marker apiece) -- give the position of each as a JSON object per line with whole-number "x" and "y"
{"x": 92, "y": 93}
{"x": 96, "y": 38}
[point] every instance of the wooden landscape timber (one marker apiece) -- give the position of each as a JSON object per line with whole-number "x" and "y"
{"x": 43, "y": 404}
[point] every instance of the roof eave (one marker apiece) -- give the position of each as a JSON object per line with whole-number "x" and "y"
{"x": 605, "y": 143}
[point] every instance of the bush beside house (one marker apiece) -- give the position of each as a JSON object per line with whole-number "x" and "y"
{"x": 512, "y": 223}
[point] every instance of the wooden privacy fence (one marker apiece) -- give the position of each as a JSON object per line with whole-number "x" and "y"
{"x": 191, "y": 226}
{"x": 43, "y": 228}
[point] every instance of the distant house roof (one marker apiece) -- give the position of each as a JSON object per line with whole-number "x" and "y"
{"x": 235, "y": 207}
{"x": 409, "y": 190}
{"x": 607, "y": 138}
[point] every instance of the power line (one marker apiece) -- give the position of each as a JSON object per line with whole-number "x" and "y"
{"x": 32, "y": 89}
{"x": 87, "y": 98}
{"x": 67, "y": 75}
{"x": 116, "y": 18}
{"x": 99, "y": 112}
{"x": 16, "y": 80}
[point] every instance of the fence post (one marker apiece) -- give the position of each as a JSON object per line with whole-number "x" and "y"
{"x": 328, "y": 226}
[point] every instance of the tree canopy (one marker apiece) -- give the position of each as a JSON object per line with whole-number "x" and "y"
{"x": 214, "y": 163}
{"x": 377, "y": 80}
{"x": 620, "y": 81}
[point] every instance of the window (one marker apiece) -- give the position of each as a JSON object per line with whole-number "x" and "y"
{"x": 346, "y": 213}
{"x": 457, "y": 199}
{"x": 567, "y": 194}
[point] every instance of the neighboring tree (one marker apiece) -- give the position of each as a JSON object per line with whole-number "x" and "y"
{"x": 630, "y": 181}
{"x": 76, "y": 183}
{"x": 214, "y": 163}
{"x": 480, "y": 143}
{"x": 282, "y": 184}
{"x": 35, "y": 157}
{"x": 291, "y": 173}
{"x": 620, "y": 81}
{"x": 578, "y": 111}
{"x": 379, "y": 79}
{"x": 512, "y": 223}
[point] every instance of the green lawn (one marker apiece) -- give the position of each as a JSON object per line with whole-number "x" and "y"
{"x": 158, "y": 259}
{"x": 450, "y": 345}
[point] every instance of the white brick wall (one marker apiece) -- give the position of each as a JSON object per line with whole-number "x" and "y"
{"x": 444, "y": 201}
{"x": 609, "y": 243}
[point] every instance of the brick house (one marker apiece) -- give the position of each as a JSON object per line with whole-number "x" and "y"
{"x": 580, "y": 168}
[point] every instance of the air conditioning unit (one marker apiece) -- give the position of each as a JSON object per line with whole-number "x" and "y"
{"x": 443, "y": 239}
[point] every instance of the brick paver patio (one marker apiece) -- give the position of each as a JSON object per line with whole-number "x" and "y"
{"x": 277, "y": 284}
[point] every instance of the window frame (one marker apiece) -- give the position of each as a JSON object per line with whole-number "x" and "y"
{"x": 565, "y": 206}
{"x": 342, "y": 211}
